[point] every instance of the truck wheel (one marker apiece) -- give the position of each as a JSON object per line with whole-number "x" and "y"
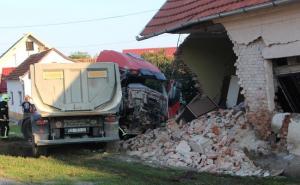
{"x": 97, "y": 146}
{"x": 26, "y": 129}
{"x": 37, "y": 151}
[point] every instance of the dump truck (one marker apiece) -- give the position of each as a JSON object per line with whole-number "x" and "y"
{"x": 75, "y": 103}
{"x": 145, "y": 99}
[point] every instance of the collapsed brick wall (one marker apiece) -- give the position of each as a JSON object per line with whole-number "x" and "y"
{"x": 251, "y": 70}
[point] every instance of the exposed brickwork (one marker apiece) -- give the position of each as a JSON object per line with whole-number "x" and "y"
{"x": 261, "y": 121}
{"x": 251, "y": 70}
{"x": 284, "y": 132}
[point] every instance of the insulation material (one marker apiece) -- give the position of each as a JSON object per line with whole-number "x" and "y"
{"x": 290, "y": 133}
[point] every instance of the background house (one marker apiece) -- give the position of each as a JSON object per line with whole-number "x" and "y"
{"x": 19, "y": 83}
{"x": 254, "y": 44}
{"x": 17, "y": 53}
{"x": 168, "y": 51}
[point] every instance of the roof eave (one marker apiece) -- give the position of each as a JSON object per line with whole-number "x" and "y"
{"x": 215, "y": 16}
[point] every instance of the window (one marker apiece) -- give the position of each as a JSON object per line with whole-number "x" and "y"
{"x": 29, "y": 46}
{"x": 12, "y": 97}
{"x": 20, "y": 97}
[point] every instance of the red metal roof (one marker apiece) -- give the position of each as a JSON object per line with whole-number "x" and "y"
{"x": 126, "y": 61}
{"x": 169, "y": 51}
{"x": 175, "y": 13}
{"x": 5, "y": 72}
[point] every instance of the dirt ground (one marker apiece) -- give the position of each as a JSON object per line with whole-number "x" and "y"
{"x": 15, "y": 146}
{"x": 282, "y": 163}
{"x": 18, "y": 147}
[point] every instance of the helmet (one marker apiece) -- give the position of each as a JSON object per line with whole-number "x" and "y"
{"x": 5, "y": 97}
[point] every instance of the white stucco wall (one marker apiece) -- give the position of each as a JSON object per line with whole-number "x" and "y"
{"x": 18, "y": 56}
{"x": 278, "y": 27}
{"x": 24, "y": 84}
{"x": 259, "y": 36}
{"x": 14, "y": 86}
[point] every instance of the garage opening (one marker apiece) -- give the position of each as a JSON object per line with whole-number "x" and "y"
{"x": 287, "y": 86}
{"x": 211, "y": 58}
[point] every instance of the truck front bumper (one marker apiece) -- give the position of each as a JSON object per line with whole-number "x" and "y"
{"x": 74, "y": 141}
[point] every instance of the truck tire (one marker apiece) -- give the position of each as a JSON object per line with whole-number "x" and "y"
{"x": 38, "y": 151}
{"x": 26, "y": 129}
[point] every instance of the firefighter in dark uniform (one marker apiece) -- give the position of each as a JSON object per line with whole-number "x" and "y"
{"x": 4, "y": 120}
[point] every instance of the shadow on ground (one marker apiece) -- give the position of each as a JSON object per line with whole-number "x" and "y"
{"x": 15, "y": 146}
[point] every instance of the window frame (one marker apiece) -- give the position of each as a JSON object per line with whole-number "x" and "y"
{"x": 20, "y": 97}
{"x": 12, "y": 97}
{"x": 29, "y": 46}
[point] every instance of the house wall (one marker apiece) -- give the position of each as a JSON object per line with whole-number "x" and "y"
{"x": 258, "y": 37}
{"x": 14, "y": 104}
{"x": 211, "y": 59}
{"x": 278, "y": 27}
{"x": 256, "y": 79}
{"x": 24, "y": 85}
{"x": 18, "y": 55}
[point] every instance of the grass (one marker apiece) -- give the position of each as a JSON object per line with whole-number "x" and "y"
{"x": 15, "y": 130}
{"x": 107, "y": 169}
{"x": 76, "y": 165}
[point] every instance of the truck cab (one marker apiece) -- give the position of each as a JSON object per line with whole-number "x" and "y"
{"x": 145, "y": 100}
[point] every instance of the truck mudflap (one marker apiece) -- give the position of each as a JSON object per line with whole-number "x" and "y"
{"x": 74, "y": 141}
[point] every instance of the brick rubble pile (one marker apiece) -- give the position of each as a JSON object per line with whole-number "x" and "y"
{"x": 212, "y": 143}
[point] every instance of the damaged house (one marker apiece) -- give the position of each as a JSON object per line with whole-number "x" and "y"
{"x": 245, "y": 50}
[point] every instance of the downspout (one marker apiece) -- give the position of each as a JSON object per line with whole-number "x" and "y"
{"x": 273, "y": 3}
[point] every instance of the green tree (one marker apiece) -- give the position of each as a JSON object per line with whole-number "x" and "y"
{"x": 174, "y": 68}
{"x": 160, "y": 60}
{"x": 80, "y": 55}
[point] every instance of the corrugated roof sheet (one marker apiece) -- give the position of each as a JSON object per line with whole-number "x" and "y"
{"x": 175, "y": 13}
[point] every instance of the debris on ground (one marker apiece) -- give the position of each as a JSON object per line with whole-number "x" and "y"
{"x": 216, "y": 142}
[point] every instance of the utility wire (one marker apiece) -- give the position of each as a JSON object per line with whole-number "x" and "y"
{"x": 77, "y": 21}
{"x": 100, "y": 44}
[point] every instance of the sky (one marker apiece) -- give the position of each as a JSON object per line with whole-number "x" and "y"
{"x": 17, "y": 18}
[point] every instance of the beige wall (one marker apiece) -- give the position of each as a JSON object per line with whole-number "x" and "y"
{"x": 278, "y": 27}
{"x": 210, "y": 58}
{"x": 259, "y": 37}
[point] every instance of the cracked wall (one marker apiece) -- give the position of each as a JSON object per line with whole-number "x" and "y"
{"x": 256, "y": 79}
{"x": 258, "y": 37}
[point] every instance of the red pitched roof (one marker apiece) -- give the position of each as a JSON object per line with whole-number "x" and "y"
{"x": 5, "y": 72}
{"x": 175, "y": 14}
{"x": 24, "y": 66}
{"x": 169, "y": 52}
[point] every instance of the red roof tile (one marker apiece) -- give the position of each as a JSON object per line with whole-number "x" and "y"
{"x": 174, "y": 13}
{"x": 5, "y": 72}
{"x": 24, "y": 66}
{"x": 169, "y": 52}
